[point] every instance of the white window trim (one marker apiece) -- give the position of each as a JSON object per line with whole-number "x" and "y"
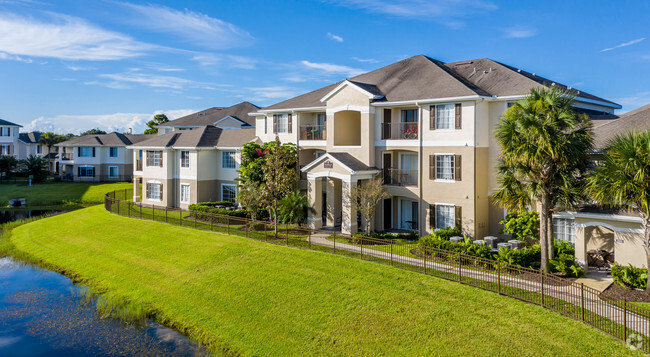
{"x": 189, "y": 160}
{"x": 453, "y": 168}
{"x": 117, "y": 152}
{"x": 453, "y": 212}
{"x": 189, "y": 194}
{"x": 147, "y": 193}
{"x": 451, "y": 122}
{"x": 277, "y": 129}
{"x": 234, "y": 158}
{"x": 88, "y": 166}
{"x": 118, "y": 171}
{"x": 230, "y": 185}
{"x": 82, "y": 149}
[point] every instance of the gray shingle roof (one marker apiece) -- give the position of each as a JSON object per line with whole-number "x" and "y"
{"x": 638, "y": 119}
{"x": 203, "y": 137}
{"x": 350, "y": 161}
{"x": 421, "y": 77}
{"x": 212, "y": 115}
{"x": 8, "y": 123}
{"x": 30, "y": 138}
{"x": 110, "y": 139}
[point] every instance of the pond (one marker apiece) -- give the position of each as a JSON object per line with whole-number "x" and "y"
{"x": 10, "y": 215}
{"x": 42, "y": 314}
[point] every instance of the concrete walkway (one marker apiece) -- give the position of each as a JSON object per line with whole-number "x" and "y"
{"x": 572, "y": 294}
{"x": 597, "y": 280}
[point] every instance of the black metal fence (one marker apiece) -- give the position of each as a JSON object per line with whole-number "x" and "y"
{"x": 621, "y": 319}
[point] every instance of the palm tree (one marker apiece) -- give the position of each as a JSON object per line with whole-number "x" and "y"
{"x": 622, "y": 180}
{"x": 544, "y": 159}
{"x": 294, "y": 207}
{"x": 50, "y": 139}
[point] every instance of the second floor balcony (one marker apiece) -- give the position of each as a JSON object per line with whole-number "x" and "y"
{"x": 400, "y": 177}
{"x": 66, "y": 156}
{"x": 313, "y": 132}
{"x": 399, "y": 131}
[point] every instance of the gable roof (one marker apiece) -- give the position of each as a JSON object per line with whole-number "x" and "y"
{"x": 210, "y": 116}
{"x": 417, "y": 77}
{"x": 503, "y": 80}
{"x": 8, "y": 123}
{"x": 423, "y": 78}
{"x": 110, "y": 139}
{"x": 638, "y": 119}
{"x": 30, "y": 138}
{"x": 208, "y": 136}
{"x": 345, "y": 159}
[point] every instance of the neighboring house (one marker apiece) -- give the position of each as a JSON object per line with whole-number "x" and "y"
{"x": 189, "y": 166}
{"x": 9, "y": 138}
{"x": 424, "y": 126}
{"x": 98, "y": 157}
{"x": 233, "y": 117}
{"x": 594, "y": 228}
{"x": 28, "y": 145}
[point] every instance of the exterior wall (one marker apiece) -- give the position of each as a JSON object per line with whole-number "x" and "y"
{"x": 11, "y": 140}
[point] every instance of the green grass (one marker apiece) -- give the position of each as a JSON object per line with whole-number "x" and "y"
{"x": 58, "y": 193}
{"x": 247, "y": 297}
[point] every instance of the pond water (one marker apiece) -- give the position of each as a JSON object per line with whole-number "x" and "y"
{"x": 42, "y": 314}
{"x": 10, "y": 215}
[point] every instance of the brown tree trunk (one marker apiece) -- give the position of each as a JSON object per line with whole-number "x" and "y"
{"x": 551, "y": 239}
{"x": 646, "y": 243}
{"x": 543, "y": 233}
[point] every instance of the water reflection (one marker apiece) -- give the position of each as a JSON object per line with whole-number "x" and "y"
{"x": 41, "y": 314}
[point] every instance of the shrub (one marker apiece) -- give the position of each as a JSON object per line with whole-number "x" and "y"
{"x": 564, "y": 247}
{"x": 565, "y": 263}
{"x": 446, "y": 233}
{"x": 197, "y": 209}
{"x": 630, "y": 276}
{"x": 528, "y": 257}
{"x": 521, "y": 225}
{"x": 412, "y": 235}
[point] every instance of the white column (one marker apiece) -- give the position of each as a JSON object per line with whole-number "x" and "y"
{"x": 315, "y": 190}
{"x": 349, "y": 222}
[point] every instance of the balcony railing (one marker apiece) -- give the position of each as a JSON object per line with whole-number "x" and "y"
{"x": 400, "y": 177}
{"x": 399, "y": 131}
{"x": 313, "y": 132}
{"x": 66, "y": 156}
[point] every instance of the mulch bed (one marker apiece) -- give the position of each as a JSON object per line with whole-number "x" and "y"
{"x": 618, "y": 292}
{"x": 561, "y": 281}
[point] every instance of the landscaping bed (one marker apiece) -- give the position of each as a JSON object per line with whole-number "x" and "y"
{"x": 621, "y": 293}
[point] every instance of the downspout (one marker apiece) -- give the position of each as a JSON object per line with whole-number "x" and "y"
{"x": 475, "y": 148}
{"x": 420, "y": 183}
{"x": 293, "y": 113}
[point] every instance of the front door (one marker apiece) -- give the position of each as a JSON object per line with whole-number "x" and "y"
{"x": 388, "y": 214}
{"x": 324, "y": 211}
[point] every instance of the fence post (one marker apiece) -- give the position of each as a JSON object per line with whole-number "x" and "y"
{"x": 582, "y": 300}
{"x": 334, "y": 242}
{"x": 425, "y": 260}
{"x": 180, "y": 216}
{"x": 153, "y": 212}
{"x": 196, "y": 218}
{"x": 309, "y": 239}
{"x": 362, "y": 247}
{"x": 499, "y": 278}
{"x": 541, "y": 279}
{"x": 286, "y": 229}
{"x": 165, "y": 214}
{"x": 128, "y": 209}
{"x": 459, "y": 269}
{"x": 118, "y": 207}
{"x": 625, "y": 319}
{"x": 141, "y": 210}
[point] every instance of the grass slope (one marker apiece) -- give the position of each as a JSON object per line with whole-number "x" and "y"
{"x": 55, "y": 193}
{"x": 253, "y": 298}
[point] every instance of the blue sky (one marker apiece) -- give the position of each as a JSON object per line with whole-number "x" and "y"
{"x": 73, "y": 65}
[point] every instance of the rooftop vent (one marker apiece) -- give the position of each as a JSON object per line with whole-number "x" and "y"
{"x": 490, "y": 69}
{"x": 533, "y": 74}
{"x": 474, "y": 69}
{"x": 518, "y": 71}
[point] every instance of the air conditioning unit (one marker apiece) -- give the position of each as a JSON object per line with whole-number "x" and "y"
{"x": 516, "y": 244}
{"x": 456, "y": 239}
{"x": 479, "y": 242}
{"x": 491, "y": 241}
{"x": 504, "y": 246}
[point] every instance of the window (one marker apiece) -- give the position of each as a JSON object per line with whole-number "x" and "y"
{"x": 510, "y": 105}
{"x": 283, "y": 123}
{"x": 321, "y": 118}
{"x": 86, "y": 171}
{"x": 6, "y": 131}
{"x": 185, "y": 193}
{"x": 445, "y": 115}
{"x": 444, "y": 167}
{"x": 229, "y": 193}
{"x": 185, "y": 159}
{"x": 563, "y": 229}
{"x": 445, "y": 216}
{"x": 154, "y": 191}
{"x": 112, "y": 151}
{"x": 86, "y": 151}
{"x": 6, "y": 150}
{"x": 228, "y": 160}
{"x": 154, "y": 158}
{"x": 410, "y": 116}
{"x": 113, "y": 171}
{"x": 39, "y": 149}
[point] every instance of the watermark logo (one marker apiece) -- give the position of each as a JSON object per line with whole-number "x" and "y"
{"x": 635, "y": 341}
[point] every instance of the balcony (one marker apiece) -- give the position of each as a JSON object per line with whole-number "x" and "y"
{"x": 66, "y": 156}
{"x": 313, "y": 132}
{"x": 399, "y": 131}
{"x": 399, "y": 177}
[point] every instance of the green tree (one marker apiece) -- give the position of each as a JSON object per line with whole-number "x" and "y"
{"x": 157, "y": 120}
{"x": 280, "y": 176}
{"x": 623, "y": 179}
{"x": 8, "y": 164}
{"x": 366, "y": 197}
{"x": 50, "y": 139}
{"x": 35, "y": 166}
{"x": 252, "y": 162}
{"x": 94, "y": 131}
{"x": 521, "y": 225}
{"x": 545, "y": 146}
{"x": 294, "y": 207}
{"x": 248, "y": 195}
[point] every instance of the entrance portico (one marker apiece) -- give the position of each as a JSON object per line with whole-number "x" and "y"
{"x": 331, "y": 179}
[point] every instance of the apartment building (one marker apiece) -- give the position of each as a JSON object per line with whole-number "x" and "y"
{"x": 183, "y": 167}
{"x": 233, "y": 117}
{"x": 28, "y": 145}
{"x": 424, "y": 126}
{"x": 97, "y": 157}
{"x": 9, "y": 138}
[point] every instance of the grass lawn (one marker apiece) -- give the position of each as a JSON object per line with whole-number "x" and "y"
{"x": 57, "y": 193}
{"x": 252, "y": 298}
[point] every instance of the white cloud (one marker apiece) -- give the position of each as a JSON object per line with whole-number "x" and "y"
{"x": 120, "y": 122}
{"x": 334, "y": 37}
{"x": 445, "y": 12}
{"x": 633, "y": 101}
{"x": 260, "y": 94}
{"x": 365, "y": 60}
{"x": 6, "y": 56}
{"x": 520, "y": 32}
{"x": 625, "y": 44}
{"x": 330, "y": 68}
{"x": 195, "y": 27}
{"x": 67, "y": 37}
{"x": 225, "y": 61}
{"x": 126, "y": 80}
